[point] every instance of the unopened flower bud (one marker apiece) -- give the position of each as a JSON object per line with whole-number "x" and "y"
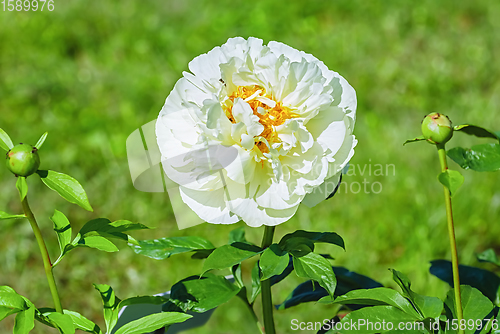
{"x": 23, "y": 160}
{"x": 437, "y": 128}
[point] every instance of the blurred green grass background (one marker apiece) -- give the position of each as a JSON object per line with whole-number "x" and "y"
{"x": 90, "y": 73}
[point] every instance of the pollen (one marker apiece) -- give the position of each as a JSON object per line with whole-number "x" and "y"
{"x": 271, "y": 113}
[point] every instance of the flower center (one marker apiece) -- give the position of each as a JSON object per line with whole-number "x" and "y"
{"x": 271, "y": 113}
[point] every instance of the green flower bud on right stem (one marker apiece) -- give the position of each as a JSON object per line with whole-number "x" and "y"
{"x": 437, "y": 128}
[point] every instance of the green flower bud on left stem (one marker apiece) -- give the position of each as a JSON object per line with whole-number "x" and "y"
{"x": 23, "y": 160}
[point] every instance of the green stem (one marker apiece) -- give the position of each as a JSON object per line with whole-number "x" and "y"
{"x": 267, "y": 298}
{"x": 451, "y": 233}
{"x": 45, "y": 254}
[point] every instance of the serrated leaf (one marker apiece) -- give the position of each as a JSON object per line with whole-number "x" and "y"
{"x": 82, "y": 323}
{"x": 5, "y": 141}
{"x": 451, "y": 179}
{"x": 62, "y": 227}
{"x": 420, "y": 138}
{"x": 66, "y": 186}
{"x": 160, "y": 249}
{"x": 256, "y": 284}
{"x": 22, "y": 187}
{"x": 5, "y": 215}
{"x": 273, "y": 261}
{"x": 318, "y": 269}
{"x": 200, "y": 294}
{"x": 110, "y": 303}
{"x": 474, "y": 305}
{"x": 153, "y": 322}
{"x": 25, "y": 321}
{"x": 476, "y": 131}
{"x": 480, "y": 158}
{"x": 40, "y": 141}
{"x": 228, "y": 255}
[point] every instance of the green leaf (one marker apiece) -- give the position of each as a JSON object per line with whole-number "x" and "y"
{"x": 229, "y": 255}
{"x": 94, "y": 241}
{"x": 237, "y": 235}
{"x": 200, "y": 294}
{"x": 110, "y": 302}
{"x": 25, "y": 321}
{"x": 114, "y": 230}
{"x": 40, "y": 141}
{"x": 256, "y": 284}
{"x": 6, "y": 288}
{"x": 66, "y": 186}
{"x": 420, "y": 138}
{"x": 10, "y": 302}
{"x": 98, "y": 232}
{"x": 63, "y": 322}
{"x": 451, "y": 179}
{"x": 103, "y": 225}
{"x": 22, "y": 186}
{"x": 476, "y": 131}
{"x": 488, "y": 255}
{"x": 480, "y": 158}
{"x": 376, "y": 297}
{"x": 160, "y": 249}
{"x": 273, "y": 261}
{"x": 391, "y": 316}
{"x": 82, "y": 323}
{"x": 315, "y": 237}
{"x": 317, "y": 268}
{"x": 152, "y": 322}
{"x": 236, "y": 271}
{"x": 5, "y": 215}
{"x": 405, "y": 285}
{"x": 474, "y": 304}
{"x": 49, "y": 317}
{"x": 346, "y": 281}
{"x": 5, "y": 141}
{"x": 297, "y": 246}
{"x": 62, "y": 228}
{"x": 153, "y": 300}
{"x": 431, "y": 307}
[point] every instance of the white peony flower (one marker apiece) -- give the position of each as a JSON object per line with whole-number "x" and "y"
{"x": 254, "y": 131}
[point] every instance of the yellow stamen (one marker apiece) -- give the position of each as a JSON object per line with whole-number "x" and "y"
{"x": 271, "y": 118}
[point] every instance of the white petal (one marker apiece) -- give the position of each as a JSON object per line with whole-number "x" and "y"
{"x": 209, "y": 205}
{"x": 320, "y": 193}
